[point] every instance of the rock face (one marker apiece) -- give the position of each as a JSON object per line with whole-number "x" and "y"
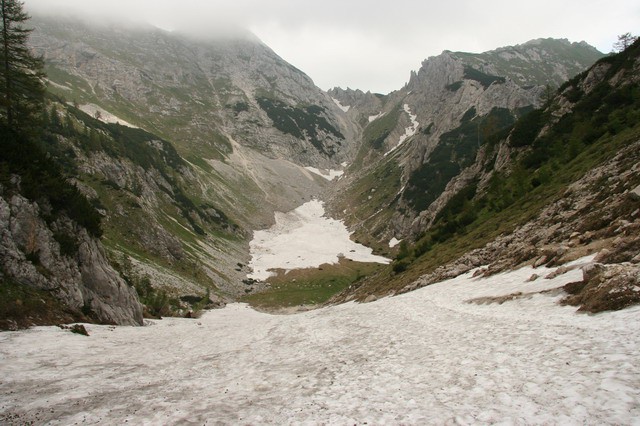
{"x": 84, "y": 281}
{"x": 197, "y": 93}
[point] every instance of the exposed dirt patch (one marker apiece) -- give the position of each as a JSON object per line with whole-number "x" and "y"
{"x": 513, "y": 296}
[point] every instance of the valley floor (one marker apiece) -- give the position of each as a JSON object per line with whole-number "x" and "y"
{"x": 426, "y": 357}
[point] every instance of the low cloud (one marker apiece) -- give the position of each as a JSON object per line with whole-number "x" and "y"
{"x": 364, "y": 45}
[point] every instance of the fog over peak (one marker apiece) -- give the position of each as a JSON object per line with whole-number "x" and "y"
{"x": 364, "y": 45}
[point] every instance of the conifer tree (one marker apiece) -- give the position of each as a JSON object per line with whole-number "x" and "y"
{"x": 624, "y": 40}
{"x": 21, "y": 75}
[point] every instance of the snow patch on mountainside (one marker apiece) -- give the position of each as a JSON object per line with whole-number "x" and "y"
{"x": 342, "y": 107}
{"x": 373, "y": 118}
{"x": 426, "y": 357}
{"x": 408, "y": 132}
{"x": 304, "y": 238}
{"x": 394, "y": 242}
{"x": 329, "y": 174}
{"x": 103, "y": 115}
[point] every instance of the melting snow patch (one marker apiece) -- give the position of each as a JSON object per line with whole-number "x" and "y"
{"x": 408, "y": 132}
{"x": 394, "y": 242}
{"x": 342, "y": 107}
{"x": 104, "y": 115}
{"x": 304, "y": 238}
{"x": 327, "y": 174}
{"x": 375, "y": 117}
{"x": 59, "y": 86}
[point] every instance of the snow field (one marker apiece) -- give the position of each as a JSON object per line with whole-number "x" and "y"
{"x": 394, "y": 242}
{"x": 373, "y": 118}
{"x": 426, "y": 357}
{"x": 304, "y": 238}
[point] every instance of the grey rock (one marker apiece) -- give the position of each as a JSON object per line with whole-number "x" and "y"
{"x": 81, "y": 282}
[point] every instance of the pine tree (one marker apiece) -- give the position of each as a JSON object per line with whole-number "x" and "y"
{"x": 624, "y": 40}
{"x": 21, "y": 75}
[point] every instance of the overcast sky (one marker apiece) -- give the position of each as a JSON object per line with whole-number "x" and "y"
{"x": 371, "y": 44}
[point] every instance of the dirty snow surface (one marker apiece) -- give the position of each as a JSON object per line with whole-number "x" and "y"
{"x": 426, "y": 357}
{"x": 304, "y": 238}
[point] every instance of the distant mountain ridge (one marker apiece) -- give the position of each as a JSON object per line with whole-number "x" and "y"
{"x": 537, "y": 62}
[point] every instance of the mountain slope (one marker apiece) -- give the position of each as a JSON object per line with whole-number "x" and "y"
{"x": 226, "y": 105}
{"x": 415, "y": 141}
{"x": 52, "y": 264}
{"x": 562, "y": 182}
{"x": 537, "y": 62}
{"x": 185, "y": 145}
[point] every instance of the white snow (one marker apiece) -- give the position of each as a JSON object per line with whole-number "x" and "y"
{"x": 408, "y": 132}
{"x": 59, "y": 86}
{"x": 375, "y": 117}
{"x": 394, "y": 242}
{"x": 327, "y": 174}
{"x": 304, "y": 238}
{"x": 426, "y": 357}
{"x": 342, "y": 107}
{"x": 104, "y": 116}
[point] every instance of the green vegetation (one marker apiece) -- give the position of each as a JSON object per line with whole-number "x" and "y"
{"x": 372, "y": 200}
{"x": 22, "y": 306}
{"x": 457, "y": 149}
{"x": 156, "y": 301}
{"x": 600, "y": 124}
{"x": 140, "y": 147}
{"x": 486, "y": 80}
{"x": 41, "y": 179}
{"x": 453, "y": 87}
{"x": 379, "y": 130}
{"x": 300, "y": 122}
{"x": 310, "y": 286}
{"x": 21, "y": 88}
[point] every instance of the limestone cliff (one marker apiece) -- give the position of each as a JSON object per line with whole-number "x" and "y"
{"x": 33, "y": 253}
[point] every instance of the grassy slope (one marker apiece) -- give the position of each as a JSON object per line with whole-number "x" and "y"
{"x": 179, "y": 213}
{"x": 574, "y": 56}
{"x": 312, "y": 286}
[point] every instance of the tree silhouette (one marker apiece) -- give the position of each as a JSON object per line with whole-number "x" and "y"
{"x": 624, "y": 40}
{"x": 21, "y": 75}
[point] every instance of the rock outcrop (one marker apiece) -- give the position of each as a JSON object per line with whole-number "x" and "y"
{"x": 63, "y": 260}
{"x": 605, "y": 288}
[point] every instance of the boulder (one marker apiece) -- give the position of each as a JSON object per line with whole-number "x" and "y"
{"x": 605, "y": 288}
